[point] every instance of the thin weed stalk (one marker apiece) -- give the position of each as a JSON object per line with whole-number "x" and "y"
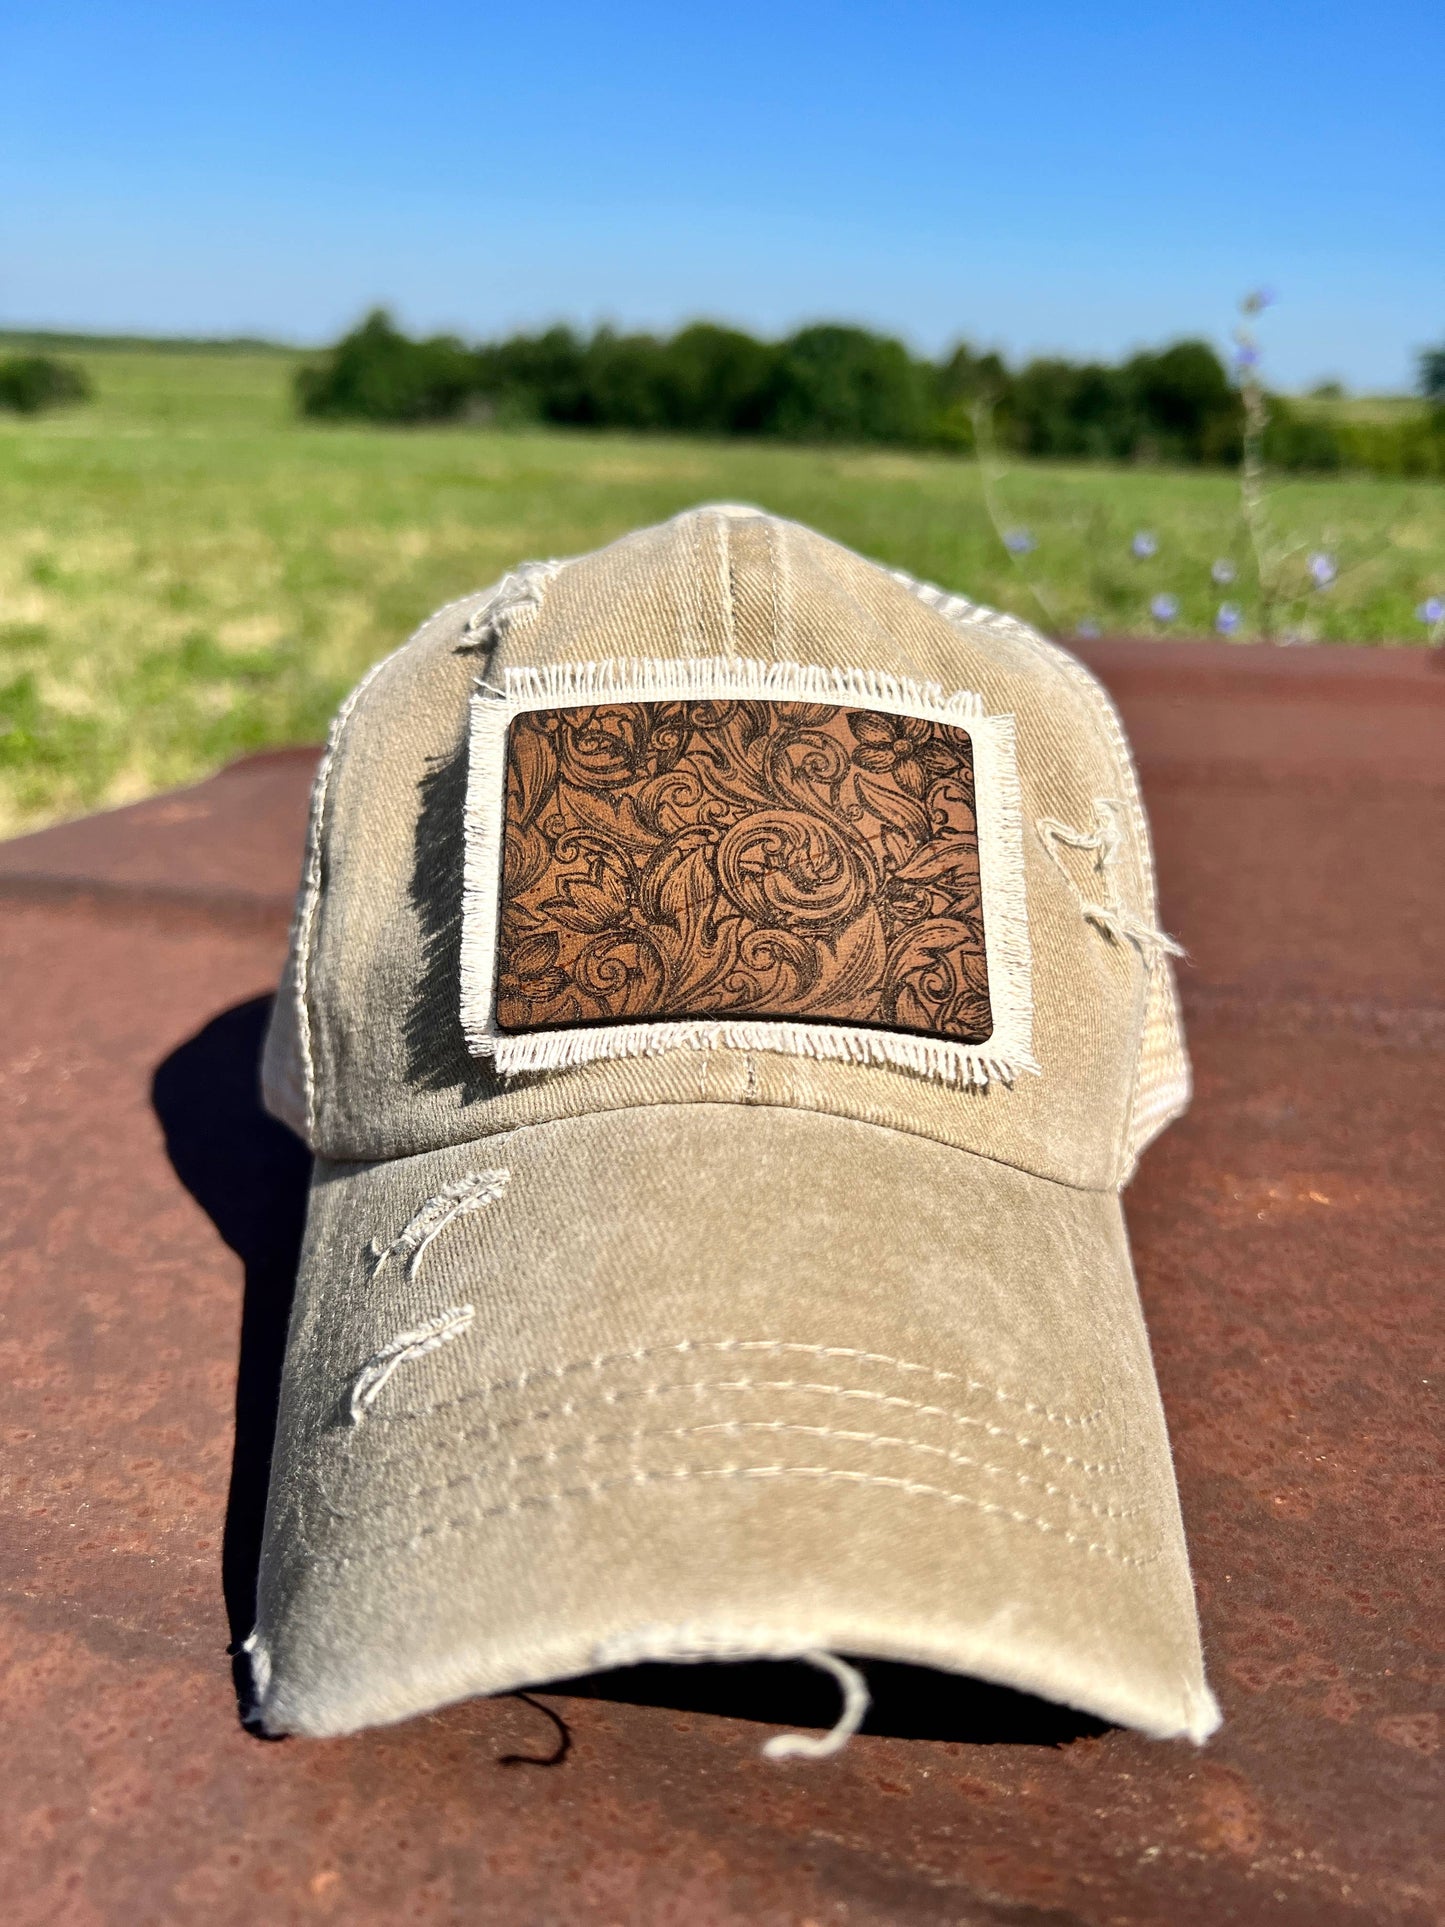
{"x": 989, "y": 473}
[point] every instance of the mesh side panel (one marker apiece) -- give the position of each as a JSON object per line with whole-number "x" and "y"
{"x": 1163, "y": 1086}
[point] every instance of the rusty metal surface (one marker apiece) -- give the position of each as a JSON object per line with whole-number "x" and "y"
{"x": 225, "y": 851}
{"x": 1287, "y": 1237}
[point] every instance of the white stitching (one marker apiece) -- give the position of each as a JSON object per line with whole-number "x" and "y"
{"x": 890, "y": 1400}
{"x": 729, "y": 1428}
{"x": 775, "y": 588}
{"x": 725, "y": 581}
{"x": 687, "y": 1347}
{"x": 683, "y": 1474}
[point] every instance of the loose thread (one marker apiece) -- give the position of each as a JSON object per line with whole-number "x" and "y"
{"x": 856, "y": 1701}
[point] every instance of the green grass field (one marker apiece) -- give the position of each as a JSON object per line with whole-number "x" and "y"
{"x": 188, "y": 573}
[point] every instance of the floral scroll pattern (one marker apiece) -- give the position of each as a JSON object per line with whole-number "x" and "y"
{"x": 742, "y": 859}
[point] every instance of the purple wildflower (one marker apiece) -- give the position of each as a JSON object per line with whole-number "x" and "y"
{"x": 1018, "y": 541}
{"x": 1228, "y": 619}
{"x": 1164, "y": 608}
{"x": 1088, "y": 629}
{"x": 1223, "y": 572}
{"x": 1322, "y": 569}
{"x": 1257, "y": 300}
{"x": 1246, "y": 355}
{"x": 1144, "y": 545}
{"x": 1432, "y": 610}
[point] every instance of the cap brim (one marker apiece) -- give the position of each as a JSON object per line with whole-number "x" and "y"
{"x": 718, "y": 1379}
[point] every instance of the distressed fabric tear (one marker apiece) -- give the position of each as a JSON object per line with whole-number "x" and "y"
{"x": 455, "y": 1200}
{"x": 1100, "y": 902}
{"x": 406, "y": 1346}
{"x": 516, "y": 597}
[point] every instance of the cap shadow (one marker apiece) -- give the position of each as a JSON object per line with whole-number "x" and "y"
{"x": 438, "y": 1058}
{"x": 250, "y": 1176}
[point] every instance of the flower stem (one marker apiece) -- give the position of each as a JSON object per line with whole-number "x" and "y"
{"x": 986, "y": 455}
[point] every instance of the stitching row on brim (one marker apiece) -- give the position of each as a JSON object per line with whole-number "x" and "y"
{"x": 959, "y": 1468}
{"x": 834, "y": 1356}
{"x": 702, "y": 1474}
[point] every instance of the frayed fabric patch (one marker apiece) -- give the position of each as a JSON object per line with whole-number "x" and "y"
{"x": 712, "y": 852}
{"x": 631, "y": 679}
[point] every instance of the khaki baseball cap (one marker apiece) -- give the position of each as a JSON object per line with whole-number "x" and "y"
{"x": 725, "y": 1004}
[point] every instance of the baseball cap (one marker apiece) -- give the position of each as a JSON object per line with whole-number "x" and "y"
{"x": 725, "y": 1003}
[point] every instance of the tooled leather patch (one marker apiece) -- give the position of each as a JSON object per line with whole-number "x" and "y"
{"x": 757, "y": 859}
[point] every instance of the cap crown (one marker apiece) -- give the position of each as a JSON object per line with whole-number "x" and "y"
{"x": 369, "y": 1055}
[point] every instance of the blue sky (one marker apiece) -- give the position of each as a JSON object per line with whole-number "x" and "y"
{"x": 1065, "y": 177}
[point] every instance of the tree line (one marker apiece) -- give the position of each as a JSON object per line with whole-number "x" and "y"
{"x": 1177, "y": 404}
{"x": 830, "y": 383}
{"x": 30, "y": 384}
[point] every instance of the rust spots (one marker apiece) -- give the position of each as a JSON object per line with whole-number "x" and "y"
{"x": 1228, "y": 1817}
{"x": 1341, "y": 1704}
{"x": 1419, "y": 1732}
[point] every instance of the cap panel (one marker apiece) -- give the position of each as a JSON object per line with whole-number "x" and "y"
{"x": 1164, "y": 1082}
{"x": 289, "y": 1080}
{"x": 392, "y": 1071}
{"x": 761, "y": 1381}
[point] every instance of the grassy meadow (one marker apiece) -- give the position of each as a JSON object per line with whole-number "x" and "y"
{"x": 188, "y": 573}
